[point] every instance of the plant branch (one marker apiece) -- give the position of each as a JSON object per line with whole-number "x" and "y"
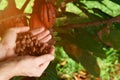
{"x": 11, "y": 3}
{"x": 25, "y": 4}
{"x": 95, "y": 23}
{"x": 15, "y": 16}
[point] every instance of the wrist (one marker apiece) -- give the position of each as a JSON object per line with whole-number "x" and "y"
{"x": 5, "y": 75}
{"x": 7, "y": 70}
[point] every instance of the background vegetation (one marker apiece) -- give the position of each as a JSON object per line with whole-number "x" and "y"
{"x": 87, "y": 35}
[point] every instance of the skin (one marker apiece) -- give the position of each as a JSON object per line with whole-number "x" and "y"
{"x": 12, "y": 65}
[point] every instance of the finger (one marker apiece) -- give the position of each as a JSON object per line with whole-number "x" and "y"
{"x": 43, "y": 34}
{"x": 46, "y": 39}
{"x": 37, "y": 31}
{"x": 44, "y": 58}
{"x": 20, "y": 29}
{"x": 52, "y": 50}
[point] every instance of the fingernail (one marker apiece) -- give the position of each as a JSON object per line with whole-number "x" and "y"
{"x": 25, "y": 26}
{"x": 47, "y": 32}
{"x": 36, "y": 31}
{"x": 28, "y": 28}
{"x": 42, "y": 28}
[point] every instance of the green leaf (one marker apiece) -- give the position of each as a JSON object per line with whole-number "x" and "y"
{"x": 73, "y": 51}
{"x": 17, "y": 78}
{"x": 90, "y": 63}
{"x": 91, "y": 16}
{"x": 50, "y": 73}
{"x": 114, "y": 38}
{"x": 82, "y": 39}
{"x": 116, "y": 25}
{"x": 116, "y": 1}
{"x": 87, "y": 60}
{"x": 72, "y": 18}
{"x": 101, "y": 13}
{"x": 86, "y": 41}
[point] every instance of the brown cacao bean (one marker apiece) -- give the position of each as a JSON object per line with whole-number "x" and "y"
{"x": 26, "y": 44}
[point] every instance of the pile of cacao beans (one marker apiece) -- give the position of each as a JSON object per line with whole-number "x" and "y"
{"x": 29, "y": 45}
{"x": 43, "y": 15}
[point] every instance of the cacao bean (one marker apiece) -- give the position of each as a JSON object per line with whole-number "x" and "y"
{"x": 26, "y": 44}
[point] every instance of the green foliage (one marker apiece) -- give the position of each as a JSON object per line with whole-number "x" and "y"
{"x": 66, "y": 66}
{"x": 17, "y": 78}
{"x": 114, "y": 38}
{"x": 50, "y": 73}
{"x": 108, "y": 65}
{"x": 116, "y": 1}
{"x": 90, "y": 64}
{"x": 84, "y": 44}
{"x": 80, "y": 47}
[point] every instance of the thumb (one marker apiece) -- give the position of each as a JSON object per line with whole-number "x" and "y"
{"x": 9, "y": 38}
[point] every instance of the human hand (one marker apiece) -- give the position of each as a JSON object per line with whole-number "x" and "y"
{"x": 9, "y": 40}
{"x": 34, "y": 66}
{"x": 25, "y": 66}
